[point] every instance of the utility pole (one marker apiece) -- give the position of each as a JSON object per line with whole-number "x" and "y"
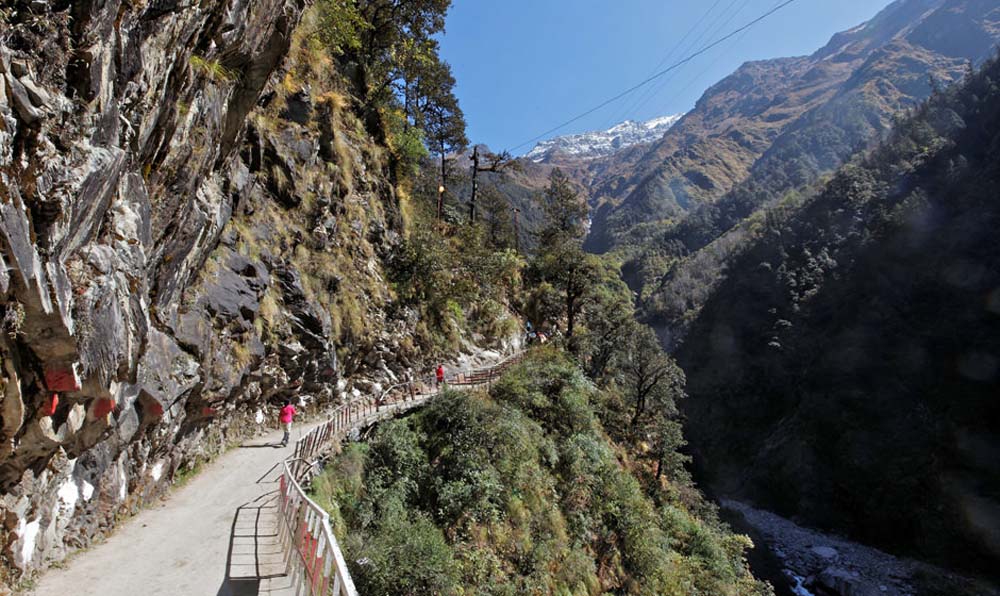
{"x": 475, "y": 184}
{"x": 496, "y": 163}
{"x": 444, "y": 178}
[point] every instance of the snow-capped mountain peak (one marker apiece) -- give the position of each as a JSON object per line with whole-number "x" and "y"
{"x": 589, "y": 145}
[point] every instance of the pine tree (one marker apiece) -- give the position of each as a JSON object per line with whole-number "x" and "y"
{"x": 497, "y": 217}
{"x": 441, "y": 118}
{"x": 565, "y": 211}
{"x": 651, "y": 377}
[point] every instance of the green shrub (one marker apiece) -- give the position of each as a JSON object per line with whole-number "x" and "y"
{"x": 406, "y": 555}
{"x": 406, "y": 142}
{"x": 551, "y": 389}
{"x": 213, "y": 69}
{"x": 519, "y": 492}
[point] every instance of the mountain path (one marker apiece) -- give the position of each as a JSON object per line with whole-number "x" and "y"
{"x": 181, "y": 545}
{"x": 211, "y": 536}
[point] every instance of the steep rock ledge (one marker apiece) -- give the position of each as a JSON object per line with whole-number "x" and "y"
{"x": 186, "y": 234}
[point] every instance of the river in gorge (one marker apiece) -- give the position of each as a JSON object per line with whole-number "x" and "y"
{"x": 800, "y": 561}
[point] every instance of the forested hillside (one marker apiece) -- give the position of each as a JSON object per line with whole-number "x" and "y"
{"x": 565, "y": 479}
{"x": 521, "y": 491}
{"x": 846, "y": 371}
{"x": 766, "y": 135}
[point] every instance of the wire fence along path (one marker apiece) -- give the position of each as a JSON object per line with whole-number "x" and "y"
{"x": 312, "y": 557}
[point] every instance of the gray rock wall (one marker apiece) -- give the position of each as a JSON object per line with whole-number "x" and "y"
{"x": 165, "y": 274}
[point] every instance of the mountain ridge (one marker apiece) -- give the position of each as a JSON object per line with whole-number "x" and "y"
{"x": 885, "y": 63}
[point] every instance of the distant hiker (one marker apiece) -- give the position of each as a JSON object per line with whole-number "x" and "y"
{"x": 287, "y": 416}
{"x": 439, "y": 375}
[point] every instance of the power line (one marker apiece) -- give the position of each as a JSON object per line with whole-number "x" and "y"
{"x": 668, "y": 56}
{"x": 713, "y": 29}
{"x": 655, "y": 89}
{"x": 711, "y": 64}
{"x": 655, "y": 76}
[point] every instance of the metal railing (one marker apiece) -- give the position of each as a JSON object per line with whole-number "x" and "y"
{"x": 313, "y": 557}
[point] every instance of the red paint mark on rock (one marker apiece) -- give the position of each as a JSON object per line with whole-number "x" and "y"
{"x": 50, "y": 404}
{"x": 103, "y": 407}
{"x": 62, "y": 379}
{"x": 208, "y": 411}
{"x": 155, "y": 409}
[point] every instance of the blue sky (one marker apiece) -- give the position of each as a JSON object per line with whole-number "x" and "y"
{"x": 525, "y": 66}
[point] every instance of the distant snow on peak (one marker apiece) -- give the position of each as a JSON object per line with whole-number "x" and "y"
{"x": 601, "y": 143}
{"x": 663, "y": 122}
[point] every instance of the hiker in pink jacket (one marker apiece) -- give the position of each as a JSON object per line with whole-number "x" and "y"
{"x": 287, "y": 416}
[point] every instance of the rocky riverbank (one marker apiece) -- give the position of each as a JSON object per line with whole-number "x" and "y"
{"x": 820, "y": 565}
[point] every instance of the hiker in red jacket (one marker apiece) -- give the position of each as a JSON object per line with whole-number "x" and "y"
{"x": 440, "y": 374}
{"x": 287, "y": 416}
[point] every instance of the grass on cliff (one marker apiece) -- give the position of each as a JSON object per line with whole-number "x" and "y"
{"x": 345, "y": 217}
{"x": 518, "y": 491}
{"x": 213, "y": 69}
{"x": 461, "y": 283}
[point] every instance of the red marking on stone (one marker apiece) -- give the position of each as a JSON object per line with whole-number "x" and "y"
{"x": 62, "y": 380}
{"x": 208, "y": 411}
{"x": 155, "y": 409}
{"x": 49, "y": 405}
{"x": 103, "y": 407}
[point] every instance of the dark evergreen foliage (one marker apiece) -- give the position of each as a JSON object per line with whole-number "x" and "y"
{"x": 847, "y": 371}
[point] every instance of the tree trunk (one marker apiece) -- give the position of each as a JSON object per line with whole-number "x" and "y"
{"x": 406, "y": 106}
{"x": 570, "y": 314}
{"x": 444, "y": 176}
{"x": 444, "y": 168}
{"x": 475, "y": 185}
{"x": 640, "y": 403}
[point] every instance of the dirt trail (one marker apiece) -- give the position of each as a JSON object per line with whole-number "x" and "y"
{"x": 181, "y": 546}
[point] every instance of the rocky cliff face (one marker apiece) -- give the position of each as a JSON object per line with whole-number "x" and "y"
{"x": 182, "y": 217}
